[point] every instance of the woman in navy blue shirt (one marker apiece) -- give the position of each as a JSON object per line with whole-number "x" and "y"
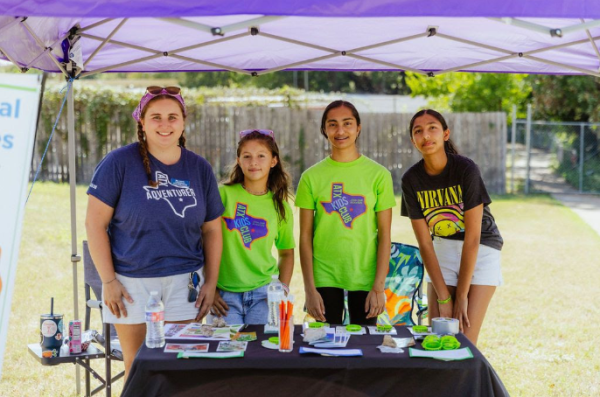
{"x": 153, "y": 218}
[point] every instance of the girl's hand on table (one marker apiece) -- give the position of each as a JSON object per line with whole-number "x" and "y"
{"x": 314, "y": 305}
{"x": 375, "y": 303}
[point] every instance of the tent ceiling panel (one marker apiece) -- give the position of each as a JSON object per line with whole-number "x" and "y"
{"x": 229, "y": 42}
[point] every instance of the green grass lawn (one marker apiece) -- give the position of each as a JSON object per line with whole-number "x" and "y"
{"x": 539, "y": 333}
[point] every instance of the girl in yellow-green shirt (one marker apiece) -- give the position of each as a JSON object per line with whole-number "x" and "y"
{"x": 256, "y": 218}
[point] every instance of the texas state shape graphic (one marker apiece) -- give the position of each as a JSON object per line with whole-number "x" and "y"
{"x": 179, "y": 198}
{"x": 249, "y": 227}
{"x": 348, "y": 206}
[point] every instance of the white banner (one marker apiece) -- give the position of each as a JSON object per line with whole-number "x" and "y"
{"x": 19, "y": 100}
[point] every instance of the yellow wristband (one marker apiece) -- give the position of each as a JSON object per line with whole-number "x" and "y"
{"x": 448, "y": 299}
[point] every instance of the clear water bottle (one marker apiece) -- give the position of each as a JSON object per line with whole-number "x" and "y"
{"x": 155, "y": 321}
{"x": 274, "y": 296}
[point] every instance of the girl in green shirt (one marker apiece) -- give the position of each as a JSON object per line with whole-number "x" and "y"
{"x": 256, "y": 218}
{"x": 345, "y": 205}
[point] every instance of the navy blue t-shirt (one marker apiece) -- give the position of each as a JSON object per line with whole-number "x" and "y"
{"x": 156, "y": 232}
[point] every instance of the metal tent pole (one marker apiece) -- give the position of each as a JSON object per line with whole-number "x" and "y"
{"x": 75, "y": 258}
{"x": 581, "y": 155}
{"x": 513, "y": 138}
{"x": 528, "y": 149}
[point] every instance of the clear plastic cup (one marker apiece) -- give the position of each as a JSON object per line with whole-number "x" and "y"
{"x": 286, "y": 335}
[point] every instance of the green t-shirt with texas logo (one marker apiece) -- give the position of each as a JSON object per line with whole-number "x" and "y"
{"x": 346, "y": 198}
{"x": 250, "y": 229}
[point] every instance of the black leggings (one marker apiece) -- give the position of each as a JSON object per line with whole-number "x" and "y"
{"x": 333, "y": 299}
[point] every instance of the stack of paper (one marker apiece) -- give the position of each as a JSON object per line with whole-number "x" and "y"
{"x": 332, "y": 352}
{"x": 210, "y": 355}
{"x": 194, "y": 331}
{"x": 447, "y": 355}
{"x": 342, "y": 328}
{"x": 373, "y": 331}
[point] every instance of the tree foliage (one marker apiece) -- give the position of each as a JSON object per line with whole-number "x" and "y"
{"x": 472, "y": 92}
{"x": 319, "y": 81}
{"x": 566, "y": 98}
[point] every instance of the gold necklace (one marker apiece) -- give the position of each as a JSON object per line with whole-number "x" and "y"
{"x": 256, "y": 193}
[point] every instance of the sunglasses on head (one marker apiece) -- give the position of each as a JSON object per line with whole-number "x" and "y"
{"x": 156, "y": 90}
{"x": 193, "y": 286}
{"x": 268, "y": 133}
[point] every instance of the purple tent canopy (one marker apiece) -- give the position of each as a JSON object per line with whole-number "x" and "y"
{"x": 257, "y": 37}
{"x": 312, "y": 8}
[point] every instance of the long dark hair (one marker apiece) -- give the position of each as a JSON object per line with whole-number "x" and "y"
{"x": 279, "y": 180}
{"x": 338, "y": 104}
{"x": 142, "y": 139}
{"x": 449, "y": 146}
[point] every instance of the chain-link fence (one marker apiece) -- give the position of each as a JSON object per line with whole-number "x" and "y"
{"x": 554, "y": 157}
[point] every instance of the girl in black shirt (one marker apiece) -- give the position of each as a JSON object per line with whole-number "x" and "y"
{"x": 443, "y": 194}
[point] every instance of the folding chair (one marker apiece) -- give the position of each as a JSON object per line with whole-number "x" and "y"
{"x": 94, "y": 283}
{"x": 404, "y": 287}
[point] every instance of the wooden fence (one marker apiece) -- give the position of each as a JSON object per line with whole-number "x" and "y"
{"x": 212, "y": 133}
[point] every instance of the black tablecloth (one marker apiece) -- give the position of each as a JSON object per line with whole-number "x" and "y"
{"x": 265, "y": 373}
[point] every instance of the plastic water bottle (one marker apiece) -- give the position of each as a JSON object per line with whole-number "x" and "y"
{"x": 274, "y": 296}
{"x": 155, "y": 321}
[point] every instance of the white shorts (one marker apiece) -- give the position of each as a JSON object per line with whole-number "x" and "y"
{"x": 487, "y": 269}
{"x": 173, "y": 290}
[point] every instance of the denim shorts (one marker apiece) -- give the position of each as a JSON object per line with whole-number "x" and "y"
{"x": 248, "y": 307}
{"x": 173, "y": 290}
{"x": 449, "y": 252}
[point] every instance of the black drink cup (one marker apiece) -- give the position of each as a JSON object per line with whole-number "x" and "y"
{"x": 51, "y": 334}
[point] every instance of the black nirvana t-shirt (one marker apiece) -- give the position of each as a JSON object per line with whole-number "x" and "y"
{"x": 443, "y": 199}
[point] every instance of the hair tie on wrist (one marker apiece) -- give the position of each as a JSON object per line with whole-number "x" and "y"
{"x": 110, "y": 281}
{"x": 448, "y": 299}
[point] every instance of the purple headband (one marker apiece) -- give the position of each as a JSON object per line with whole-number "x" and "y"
{"x": 153, "y": 92}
